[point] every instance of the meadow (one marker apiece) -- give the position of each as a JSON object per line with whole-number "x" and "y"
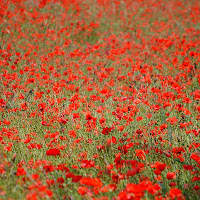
{"x": 99, "y": 99}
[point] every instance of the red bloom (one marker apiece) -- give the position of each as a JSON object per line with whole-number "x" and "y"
{"x": 82, "y": 190}
{"x": 174, "y": 192}
{"x": 171, "y": 175}
{"x": 72, "y": 133}
{"x": 139, "y": 118}
{"x": 88, "y": 117}
{"x": 76, "y": 115}
{"x": 20, "y": 172}
{"x": 34, "y": 146}
{"x": 106, "y": 131}
{"x": 178, "y": 150}
{"x": 137, "y": 190}
{"x": 172, "y": 120}
{"x": 48, "y": 168}
{"x": 140, "y": 154}
{"x": 2, "y": 103}
{"x": 87, "y": 163}
{"x": 159, "y": 167}
{"x": 53, "y": 152}
{"x": 196, "y": 187}
{"x": 195, "y": 157}
{"x": 6, "y": 122}
{"x": 60, "y": 180}
{"x": 31, "y": 80}
{"x": 94, "y": 182}
{"x": 172, "y": 184}
{"x": 188, "y": 167}
{"x": 62, "y": 120}
{"x": 35, "y": 176}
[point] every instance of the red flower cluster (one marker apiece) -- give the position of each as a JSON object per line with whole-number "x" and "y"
{"x": 100, "y": 99}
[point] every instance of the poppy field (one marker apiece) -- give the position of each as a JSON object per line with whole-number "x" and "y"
{"x": 99, "y": 99}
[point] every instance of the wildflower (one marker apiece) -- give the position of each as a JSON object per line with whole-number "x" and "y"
{"x": 172, "y": 120}
{"x": 53, "y": 152}
{"x": 140, "y": 154}
{"x": 94, "y": 182}
{"x": 20, "y": 172}
{"x": 174, "y": 192}
{"x": 106, "y": 131}
{"x": 171, "y": 175}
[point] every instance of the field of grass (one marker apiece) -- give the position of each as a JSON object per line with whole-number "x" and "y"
{"x": 99, "y": 99}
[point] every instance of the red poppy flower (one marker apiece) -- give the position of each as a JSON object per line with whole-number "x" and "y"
{"x": 139, "y": 118}
{"x": 171, "y": 175}
{"x": 172, "y": 120}
{"x": 106, "y": 131}
{"x": 2, "y": 103}
{"x": 82, "y": 190}
{"x": 195, "y": 157}
{"x": 174, "y": 192}
{"x": 94, "y": 182}
{"x": 172, "y": 184}
{"x": 53, "y": 152}
{"x": 140, "y": 154}
{"x": 20, "y": 172}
